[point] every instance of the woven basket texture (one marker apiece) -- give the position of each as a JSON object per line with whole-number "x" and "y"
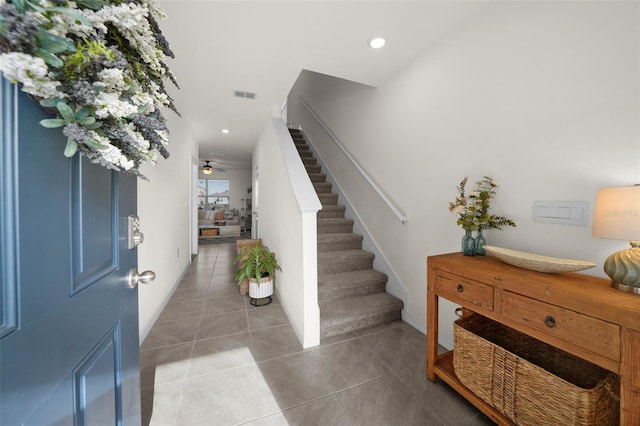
{"x": 531, "y": 382}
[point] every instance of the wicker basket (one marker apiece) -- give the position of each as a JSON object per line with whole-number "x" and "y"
{"x": 531, "y": 382}
{"x": 209, "y": 232}
{"x": 244, "y": 285}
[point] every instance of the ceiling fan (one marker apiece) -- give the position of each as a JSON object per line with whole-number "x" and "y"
{"x": 207, "y": 169}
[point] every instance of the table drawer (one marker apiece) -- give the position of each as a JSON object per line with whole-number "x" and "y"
{"x": 581, "y": 330}
{"x": 463, "y": 290}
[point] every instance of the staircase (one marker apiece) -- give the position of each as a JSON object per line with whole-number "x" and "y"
{"x": 351, "y": 294}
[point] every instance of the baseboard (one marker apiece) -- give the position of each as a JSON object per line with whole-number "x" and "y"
{"x": 147, "y": 330}
{"x": 445, "y": 342}
{"x": 413, "y": 322}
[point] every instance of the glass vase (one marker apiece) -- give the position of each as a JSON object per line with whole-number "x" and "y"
{"x": 480, "y": 243}
{"x": 468, "y": 244}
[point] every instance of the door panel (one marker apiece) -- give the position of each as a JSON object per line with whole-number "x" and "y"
{"x": 96, "y": 381}
{"x": 94, "y": 226}
{"x": 72, "y": 356}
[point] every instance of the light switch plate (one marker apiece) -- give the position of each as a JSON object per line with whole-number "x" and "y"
{"x": 562, "y": 212}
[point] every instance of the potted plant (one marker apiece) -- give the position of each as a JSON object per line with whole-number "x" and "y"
{"x": 257, "y": 265}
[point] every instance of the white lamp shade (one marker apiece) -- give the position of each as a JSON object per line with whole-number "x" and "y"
{"x": 617, "y": 213}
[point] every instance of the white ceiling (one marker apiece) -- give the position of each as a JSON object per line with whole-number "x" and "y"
{"x": 262, "y": 46}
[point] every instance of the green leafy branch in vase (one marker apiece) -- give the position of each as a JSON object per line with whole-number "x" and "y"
{"x": 473, "y": 210}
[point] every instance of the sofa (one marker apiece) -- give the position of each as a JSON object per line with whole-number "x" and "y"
{"x": 225, "y": 221}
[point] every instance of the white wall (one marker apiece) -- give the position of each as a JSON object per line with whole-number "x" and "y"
{"x": 542, "y": 96}
{"x": 239, "y": 181}
{"x": 288, "y": 206}
{"x": 163, "y": 208}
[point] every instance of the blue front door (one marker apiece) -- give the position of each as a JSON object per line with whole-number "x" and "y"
{"x": 69, "y": 331}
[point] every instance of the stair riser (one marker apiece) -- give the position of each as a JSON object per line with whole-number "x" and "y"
{"x": 317, "y": 177}
{"x": 330, "y": 214}
{"x": 305, "y": 154}
{"x": 309, "y": 161}
{"x": 328, "y": 199}
{"x": 315, "y": 168}
{"x": 368, "y": 321}
{"x": 340, "y": 293}
{"x": 322, "y": 188}
{"x": 346, "y": 264}
{"x": 335, "y": 228}
{"x": 331, "y": 246}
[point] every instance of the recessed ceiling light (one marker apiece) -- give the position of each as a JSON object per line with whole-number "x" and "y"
{"x": 225, "y": 131}
{"x": 377, "y": 42}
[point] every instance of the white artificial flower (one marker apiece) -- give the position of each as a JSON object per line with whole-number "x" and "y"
{"x": 141, "y": 143}
{"x": 32, "y": 72}
{"x": 112, "y": 79}
{"x": 143, "y": 99}
{"x": 132, "y": 22}
{"x": 18, "y": 67}
{"x": 164, "y": 136}
{"x": 111, "y": 154}
{"x": 109, "y": 104}
{"x": 61, "y": 24}
{"x": 114, "y": 156}
{"x": 154, "y": 9}
{"x": 159, "y": 96}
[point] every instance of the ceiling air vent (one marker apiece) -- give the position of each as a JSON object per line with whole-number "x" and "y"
{"x": 243, "y": 94}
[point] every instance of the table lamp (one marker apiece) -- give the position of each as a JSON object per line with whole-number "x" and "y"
{"x": 617, "y": 216}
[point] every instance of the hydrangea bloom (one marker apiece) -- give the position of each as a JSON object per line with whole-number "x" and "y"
{"x": 32, "y": 72}
{"x": 101, "y": 65}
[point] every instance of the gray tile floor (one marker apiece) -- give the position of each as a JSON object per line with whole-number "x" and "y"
{"x": 213, "y": 359}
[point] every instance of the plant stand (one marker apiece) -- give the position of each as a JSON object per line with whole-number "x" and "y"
{"x": 256, "y": 302}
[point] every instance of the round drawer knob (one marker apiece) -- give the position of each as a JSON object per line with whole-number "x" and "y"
{"x": 460, "y": 288}
{"x": 550, "y": 321}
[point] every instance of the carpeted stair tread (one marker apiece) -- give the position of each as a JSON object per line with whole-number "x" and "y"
{"x": 322, "y": 187}
{"x": 335, "y": 262}
{"x": 357, "y": 312}
{"x": 333, "y": 210}
{"x": 334, "y": 225}
{"x": 317, "y": 177}
{"x": 328, "y": 199}
{"x": 352, "y": 283}
{"x": 309, "y": 160}
{"x": 314, "y": 168}
{"x": 339, "y": 241}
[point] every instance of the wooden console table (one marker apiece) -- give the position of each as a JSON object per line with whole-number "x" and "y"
{"x": 589, "y": 319}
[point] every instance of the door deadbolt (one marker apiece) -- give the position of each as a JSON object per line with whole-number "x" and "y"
{"x": 135, "y": 237}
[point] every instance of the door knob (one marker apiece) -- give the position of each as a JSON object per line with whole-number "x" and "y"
{"x": 135, "y": 278}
